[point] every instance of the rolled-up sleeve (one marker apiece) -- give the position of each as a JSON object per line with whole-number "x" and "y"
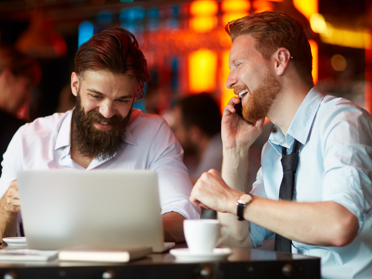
{"x": 347, "y": 163}
{"x": 174, "y": 182}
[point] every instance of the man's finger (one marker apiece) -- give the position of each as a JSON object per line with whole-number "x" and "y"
{"x": 233, "y": 101}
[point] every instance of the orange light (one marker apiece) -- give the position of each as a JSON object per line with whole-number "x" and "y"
{"x": 306, "y": 7}
{"x": 314, "y": 52}
{"x": 226, "y": 18}
{"x": 203, "y": 24}
{"x": 368, "y": 73}
{"x": 227, "y": 94}
{"x": 203, "y": 8}
{"x": 233, "y": 6}
{"x": 261, "y": 6}
{"x": 202, "y": 71}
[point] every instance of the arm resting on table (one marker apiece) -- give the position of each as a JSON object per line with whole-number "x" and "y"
{"x": 173, "y": 227}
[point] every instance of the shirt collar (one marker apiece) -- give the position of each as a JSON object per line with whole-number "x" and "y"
{"x": 64, "y": 134}
{"x": 301, "y": 124}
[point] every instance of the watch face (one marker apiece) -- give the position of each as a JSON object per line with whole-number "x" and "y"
{"x": 241, "y": 202}
{"x": 245, "y": 199}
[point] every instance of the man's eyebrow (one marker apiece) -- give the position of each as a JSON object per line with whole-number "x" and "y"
{"x": 100, "y": 93}
{"x": 95, "y": 91}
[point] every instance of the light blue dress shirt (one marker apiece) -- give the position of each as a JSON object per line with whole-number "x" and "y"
{"x": 335, "y": 164}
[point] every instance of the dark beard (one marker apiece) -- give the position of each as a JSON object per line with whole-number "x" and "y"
{"x": 92, "y": 142}
{"x": 259, "y": 102}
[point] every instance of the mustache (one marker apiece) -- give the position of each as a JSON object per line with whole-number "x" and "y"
{"x": 96, "y": 116}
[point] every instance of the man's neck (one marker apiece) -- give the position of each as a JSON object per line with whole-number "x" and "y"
{"x": 79, "y": 158}
{"x": 286, "y": 105}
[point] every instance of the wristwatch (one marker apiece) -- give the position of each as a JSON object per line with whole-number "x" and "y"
{"x": 242, "y": 202}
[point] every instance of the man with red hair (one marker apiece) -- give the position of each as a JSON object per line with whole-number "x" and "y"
{"x": 313, "y": 192}
{"x": 103, "y": 131}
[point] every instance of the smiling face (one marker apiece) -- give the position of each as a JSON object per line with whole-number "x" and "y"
{"x": 251, "y": 79}
{"x": 104, "y": 103}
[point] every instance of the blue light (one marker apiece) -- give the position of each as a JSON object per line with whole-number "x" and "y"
{"x": 104, "y": 16}
{"x": 86, "y": 30}
{"x": 140, "y": 105}
{"x": 175, "y": 67}
{"x": 153, "y": 13}
{"x": 132, "y": 14}
{"x": 175, "y": 10}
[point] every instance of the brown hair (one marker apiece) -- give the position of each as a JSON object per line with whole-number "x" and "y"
{"x": 276, "y": 29}
{"x": 116, "y": 50}
{"x": 20, "y": 64}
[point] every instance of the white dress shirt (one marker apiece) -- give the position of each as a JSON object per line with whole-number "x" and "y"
{"x": 335, "y": 164}
{"x": 149, "y": 144}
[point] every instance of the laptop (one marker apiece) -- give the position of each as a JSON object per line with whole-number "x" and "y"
{"x": 66, "y": 208}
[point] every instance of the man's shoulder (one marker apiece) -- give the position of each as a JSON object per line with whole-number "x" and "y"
{"x": 45, "y": 124}
{"x": 142, "y": 118}
{"x": 340, "y": 109}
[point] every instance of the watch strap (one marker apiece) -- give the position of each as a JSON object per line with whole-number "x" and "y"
{"x": 241, "y": 204}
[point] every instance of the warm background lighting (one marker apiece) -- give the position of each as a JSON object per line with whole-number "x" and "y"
{"x": 202, "y": 71}
{"x": 368, "y": 72}
{"x": 338, "y": 62}
{"x": 314, "y": 52}
{"x": 261, "y": 6}
{"x": 234, "y": 9}
{"x": 227, "y": 94}
{"x": 306, "y": 7}
{"x": 203, "y": 24}
{"x": 204, "y": 19}
{"x": 202, "y": 8}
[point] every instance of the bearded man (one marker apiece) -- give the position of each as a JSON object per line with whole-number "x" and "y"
{"x": 103, "y": 132}
{"x": 313, "y": 192}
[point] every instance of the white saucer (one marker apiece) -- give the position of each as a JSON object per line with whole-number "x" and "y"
{"x": 15, "y": 241}
{"x": 184, "y": 254}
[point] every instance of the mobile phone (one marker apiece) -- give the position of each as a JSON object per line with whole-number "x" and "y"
{"x": 239, "y": 112}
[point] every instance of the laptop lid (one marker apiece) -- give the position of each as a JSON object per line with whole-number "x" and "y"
{"x": 64, "y": 208}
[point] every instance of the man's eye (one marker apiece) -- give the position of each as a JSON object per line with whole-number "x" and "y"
{"x": 95, "y": 96}
{"x": 123, "y": 101}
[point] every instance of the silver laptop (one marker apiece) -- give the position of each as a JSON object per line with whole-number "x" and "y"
{"x": 65, "y": 208}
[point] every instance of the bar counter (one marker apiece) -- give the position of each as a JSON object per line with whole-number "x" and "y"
{"x": 242, "y": 263}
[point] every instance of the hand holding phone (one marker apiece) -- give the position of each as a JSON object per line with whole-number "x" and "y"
{"x": 239, "y": 112}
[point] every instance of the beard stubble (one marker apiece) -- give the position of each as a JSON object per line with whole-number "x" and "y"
{"x": 260, "y": 101}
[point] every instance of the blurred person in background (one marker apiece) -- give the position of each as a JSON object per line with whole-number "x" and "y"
{"x": 197, "y": 126}
{"x": 18, "y": 72}
{"x": 103, "y": 131}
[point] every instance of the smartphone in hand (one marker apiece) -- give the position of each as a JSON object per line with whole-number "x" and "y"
{"x": 239, "y": 112}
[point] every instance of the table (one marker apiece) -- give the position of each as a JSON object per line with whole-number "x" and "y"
{"x": 242, "y": 263}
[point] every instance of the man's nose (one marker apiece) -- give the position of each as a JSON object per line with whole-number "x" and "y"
{"x": 231, "y": 80}
{"x": 107, "y": 109}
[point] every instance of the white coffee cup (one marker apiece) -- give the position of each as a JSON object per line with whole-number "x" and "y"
{"x": 203, "y": 235}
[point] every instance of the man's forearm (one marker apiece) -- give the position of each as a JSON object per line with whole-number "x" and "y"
{"x": 234, "y": 173}
{"x": 173, "y": 227}
{"x": 318, "y": 223}
{"x": 8, "y": 220}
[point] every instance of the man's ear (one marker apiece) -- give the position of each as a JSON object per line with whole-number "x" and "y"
{"x": 281, "y": 57}
{"x": 75, "y": 83}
